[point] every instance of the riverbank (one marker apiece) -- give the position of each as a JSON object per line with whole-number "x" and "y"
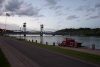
{"x": 85, "y": 50}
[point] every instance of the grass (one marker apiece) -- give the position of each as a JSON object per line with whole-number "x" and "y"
{"x": 77, "y": 54}
{"x": 3, "y": 61}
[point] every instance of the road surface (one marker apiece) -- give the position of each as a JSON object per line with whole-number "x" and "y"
{"x": 32, "y": 56}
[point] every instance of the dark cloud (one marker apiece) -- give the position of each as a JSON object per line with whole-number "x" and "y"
{"x": 68, "y": 8}
{"x": 99, "y": 13}
{"x": 97, "y": 5}
{"x": 88, "y": 14}
{"x": 57, "y": 7}
{"x": 81, "y": 8}
{"x": 1, "y": 5}
{"x": 84, "y": 0}
{"x": 93, "y": 17}
{"x": 86, "y": 8}
{"x": 72, "y": 17}
{"x": 59, "y": 13}
{"x": 41, "y": 16}
{"x": 13, "y": 5}
{"x": 21, "y": 8}
{"x": 28, "y": 10}
{"x": 1, "y": 1}
{"x": 51, "y": 2}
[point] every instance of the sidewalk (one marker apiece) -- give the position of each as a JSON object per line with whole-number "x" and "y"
{"x": 86, "y": 50}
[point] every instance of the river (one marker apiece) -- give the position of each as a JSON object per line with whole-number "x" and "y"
{"x": 86, "y": 41}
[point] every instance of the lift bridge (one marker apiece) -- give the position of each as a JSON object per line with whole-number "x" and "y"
{"x": 24, "y": 32}
{"x": 18, "y": 32}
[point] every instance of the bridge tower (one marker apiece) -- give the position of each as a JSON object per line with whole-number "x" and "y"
{"x": 24, "y": 28}
{"x": 41, "y": 33}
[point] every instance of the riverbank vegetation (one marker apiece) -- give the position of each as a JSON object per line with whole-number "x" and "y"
{"x": 79, "y": 31}
{"x": 3, "y": 61}
{"x": 77, "y": 54}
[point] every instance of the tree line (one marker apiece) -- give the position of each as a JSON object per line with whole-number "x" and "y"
{"x": 79, "y": 31}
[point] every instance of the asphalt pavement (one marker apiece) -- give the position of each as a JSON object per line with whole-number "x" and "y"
{"x": 33, "y": 56}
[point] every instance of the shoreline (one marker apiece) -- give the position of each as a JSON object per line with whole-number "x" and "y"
{"x": 85, "y": 50}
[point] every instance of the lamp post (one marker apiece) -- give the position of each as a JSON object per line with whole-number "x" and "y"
{"x": 7, "y": 15}
{"x": 5, "y": 24}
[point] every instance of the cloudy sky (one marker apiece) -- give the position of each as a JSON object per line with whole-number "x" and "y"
{"x": 53, "y": 14}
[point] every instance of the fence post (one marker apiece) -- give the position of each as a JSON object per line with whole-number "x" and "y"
{"x": 32, "y": 40}
{"x": 36, "y": 41}
{"x": 46, "y": 43}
